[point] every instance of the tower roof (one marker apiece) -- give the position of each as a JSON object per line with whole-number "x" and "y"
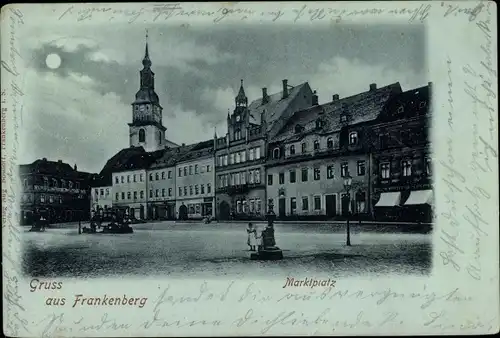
{"x": 241, "y": 98}
{"x": 146, "y": 62}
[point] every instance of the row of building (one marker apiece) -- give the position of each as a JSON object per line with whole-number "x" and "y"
{"x": 282, "y": 149}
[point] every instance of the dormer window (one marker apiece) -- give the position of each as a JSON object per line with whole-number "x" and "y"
{"x": 423, "y": 104}
{"x": 319, "y": 124}
{"x": 401, "y": 109}
{"x": 298, "y": 128}
{"x": 343, "y": 118}
{"x": 316, "y": 145}
{"x": 276, "y": 153}
{"x": 353, "y": 138}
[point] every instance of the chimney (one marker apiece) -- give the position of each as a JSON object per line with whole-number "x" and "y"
{"x": 44, "y": 159}
{"x": 373, "y": 87}
{"x": 314, "y": 99}
{"x": 59, "y": 161}
{"x": 265, "y": 98}
{"x": 285, "y": 89}
{"x": 75, "y": 168}
{"x": 335, "y": 97}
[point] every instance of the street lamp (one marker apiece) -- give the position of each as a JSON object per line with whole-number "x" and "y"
{"x": 347, "y": 187}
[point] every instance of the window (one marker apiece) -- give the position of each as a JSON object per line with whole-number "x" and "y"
{"x": 107, "y": 191}
{"x": 231, "y": 158}
{"x": 298, "y": 128}
{"x": 344, "y": 169}
{"x": 422, "y": 104}
{"x": 282, "y": 178}
{"x": 202, "y": 189}
{"x": 225, "y": 159}
{"x": 162, "y": 175}
{"x": 190, "y": 190}
{"x": 304, "y": 147}
{"x": 406, "y": 167}
{"x": 257, "y": 176}
{"x": 317, "y": 174}
{"x": 142, "y": 194}
{"x": 293, "y": 175}
{"x": 257, "y": 205}
{"x": 197, "y": 208}
{"x": 157, "y": 176}
{"x": 96, "y": 192}
{"x": 169, "y": 191}
{"x": 251, "y": 154}
{"x": 269, "y": 179}
{"x": 122, "y": 179}
{"x": 142, "y": 135}
{"x": 237, "y": 134}
{"x": 128, "y": 178}
{"x": 180, "y": 172}
{"x": 150, "y": 193}
{"x": 329, "y": 172}
{"x": 316, "y": 145}
{"x": 353, "y": 138}
{"x": 117, "y": 180}
{"x": 318, "y": 124}
{"x": 304, "y": 174}
{"x": 180, "y": 191}
{"x": 400, "y": 109}
{"x": 123, "y": 195}
{"x": 135, "y": 178}
{"x": 51, "y": 199}
{"x": 142, "y": 177}
{"x": 257, "y": 153}
{"x": 243, "y": 177}
{"x": 209, "y": 188}
{"x": 385, "y": 170}
{"x": 305, "y": 203}
{"x": 428, "y": 169}
{"x": 170, "y": 174}
{"x": 361, "y": 168}
{"x": 190, "y": 170}
{"x": 60, "y": 199}
{"x": 129, "y": 195}
{"x": 237, "y": 157}
{"x": 42, "y": 198}
{"x": 117, "y": 196}
{"x": 329, "y": 143}
{"x": 317, "y": 202}
{"x": 102, "y": 192}
{"x": 185, "y": 191}
{"x": 384, "y": 140}
{"x": 252, "y": 205}
{"x": 150, "y": 177}
{"x": 231, "y": 179}
{"x": 162, "y": 192}
{"x": 276, "y": 153}
{"x": 293, "y": 205}
{"x": 196, "y": 189}
{"x": 209, "y": 169}
{"x": 238, "y": 206}
{"x": 243, "y": 156}
{"x": 292, "y": 150}
{"x": 185, "y": 171}
{"x": 343, "y": 118}
{"x": 135, "y": 195}
{"x": 245, "y": 206}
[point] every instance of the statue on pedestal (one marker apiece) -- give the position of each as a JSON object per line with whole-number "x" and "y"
{"x": 268, "y": 249}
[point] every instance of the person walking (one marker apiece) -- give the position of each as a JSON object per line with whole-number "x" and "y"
{"x": 252, "y": 237}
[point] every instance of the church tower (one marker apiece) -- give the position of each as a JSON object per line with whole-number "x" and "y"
{"x": 146, "y": 129}
{"x": 237, "y": 123}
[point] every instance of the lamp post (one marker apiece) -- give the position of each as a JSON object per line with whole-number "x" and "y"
{"x": 347, "y": 187}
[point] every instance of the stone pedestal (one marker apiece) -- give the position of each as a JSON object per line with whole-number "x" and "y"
{"x": 268, "y": 249}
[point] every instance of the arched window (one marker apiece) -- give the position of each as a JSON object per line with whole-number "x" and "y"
{"x": 304, "y": 147}
{"x": 353, "y": 138}
{"x": 276, "y": 153}
{"x": 329, "y": 143}
{"x": 292, "y": 150}
{"x": 142, "y": 135}
{"x": 159, "y": 137}
{"x": 298, "y": 128}
{"x": 316, "y": 145}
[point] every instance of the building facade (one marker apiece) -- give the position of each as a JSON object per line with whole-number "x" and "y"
{"x": 195, "y": 182}
{"x": 161, "y": 195}
{"x": 317, "y": 149}
{"x": 58, "y": 191}
{"x": 130, "y": 188}
{"x": 241, "y": 154}
{"x": 402, "y": 175}
{"x": 101, "y": 199}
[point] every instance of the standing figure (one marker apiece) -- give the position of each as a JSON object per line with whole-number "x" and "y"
{"x": 252, "y": 237}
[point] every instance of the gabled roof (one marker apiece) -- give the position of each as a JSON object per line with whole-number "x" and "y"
{"x": 274, "y": 107}
{"x": 359, "y": 108}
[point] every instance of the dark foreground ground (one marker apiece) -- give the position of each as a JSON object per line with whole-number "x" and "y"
{"x": 219, "y": 250}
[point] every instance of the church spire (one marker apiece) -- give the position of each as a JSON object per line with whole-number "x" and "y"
{"x": 146, "y": 61}
{"x": 241, "y": 99}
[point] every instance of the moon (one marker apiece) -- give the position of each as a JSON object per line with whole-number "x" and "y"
{"x": 53, "y": 61}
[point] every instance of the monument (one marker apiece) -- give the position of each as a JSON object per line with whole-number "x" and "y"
{"x": 267, "y": 249}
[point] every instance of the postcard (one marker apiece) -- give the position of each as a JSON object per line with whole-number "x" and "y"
{"x": 249, "y": 169}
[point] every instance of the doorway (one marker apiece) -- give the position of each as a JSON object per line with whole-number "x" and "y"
{"x": 331, "y": 205}
{"x": 282, "y": 208}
